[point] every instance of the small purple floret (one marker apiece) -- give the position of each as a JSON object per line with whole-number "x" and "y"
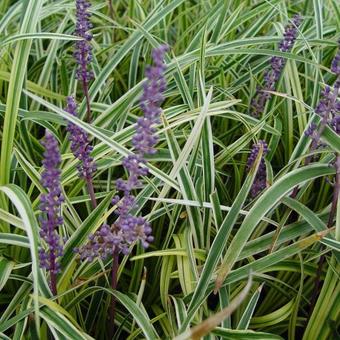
{"x": 272, "y": 75}
{"x": 80, "y": 144}
{"x": 50, "y": 206}
{"x": 311, "y": 130}
{"x": 260, "y": 182}
{"x": 335, "y": 66}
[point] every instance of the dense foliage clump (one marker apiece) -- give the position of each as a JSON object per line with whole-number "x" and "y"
{"x": 169, "y": 169}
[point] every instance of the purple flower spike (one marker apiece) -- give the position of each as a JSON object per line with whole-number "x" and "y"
{"x": 83, "y": 53}
{"x": 272, "y": 75}
{"x": 127, "y": 229}
{"x": 328, "y": 108}
{"x": 80, "y": 144}
{"x": 50, "y": 206}
{"x": 145, "y": 138}
{"x": 260, "y": 181}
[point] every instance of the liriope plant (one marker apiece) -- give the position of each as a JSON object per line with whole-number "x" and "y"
{"x": 241, "y": 193}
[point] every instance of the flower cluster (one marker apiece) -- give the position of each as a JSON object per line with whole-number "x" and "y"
{"x": 50, "y": 205}
{"x": 83, "y": 53}
{"x": 260, "y": 181}
{"x": 328, "y": 107}
{"x": 277, "y": 64}
{"x": 80, "y": 145}
{"x": 128, "y": 229}
{"x": 115, "y": 239}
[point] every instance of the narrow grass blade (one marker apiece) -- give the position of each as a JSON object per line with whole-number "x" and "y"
{"x": 19, "y": 65}
{"x": 23, "y": 205}
{"x": 6, "y": 268}
{"x": 209, "y": 324}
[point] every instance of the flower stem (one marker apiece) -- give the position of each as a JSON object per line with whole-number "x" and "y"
{"x": 87, "y": 98}
{"x": 115, "y": 265}
{"x": 90, "y": 190}
{"x": 52, "y": 260}
{"x": 89, "y": 181}
{"x": 53, "y": 278}
{"x": 110, "y": 8}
